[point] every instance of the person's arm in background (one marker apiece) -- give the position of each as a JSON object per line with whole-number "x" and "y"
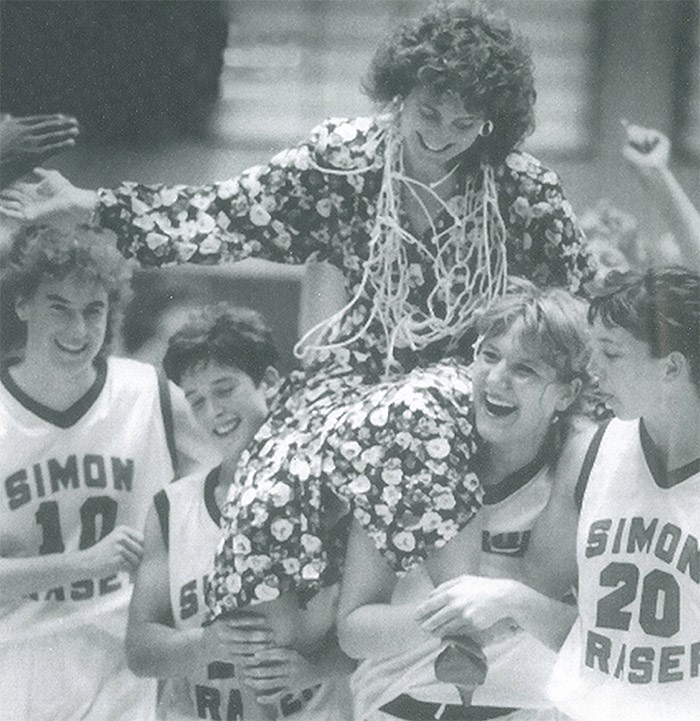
{"x": 28, "y": 141}
{"x": 647, "y": 152}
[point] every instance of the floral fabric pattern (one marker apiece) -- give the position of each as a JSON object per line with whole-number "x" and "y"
{"x": 342, "y": 437}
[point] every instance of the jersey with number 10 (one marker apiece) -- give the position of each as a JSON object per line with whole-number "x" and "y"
{"x": 634, "y": 652}
{"x": 69, "y": 478}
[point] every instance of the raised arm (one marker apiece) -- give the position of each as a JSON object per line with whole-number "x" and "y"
{"x": 647, "y": 151}
{"x": 28, "y": 141}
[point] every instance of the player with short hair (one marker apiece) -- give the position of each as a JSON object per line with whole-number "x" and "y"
{"x": 634, "y": 651}
{"x": 225, "y": 361}
{"x": 86, "y": 440}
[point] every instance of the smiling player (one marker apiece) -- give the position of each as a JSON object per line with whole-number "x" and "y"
{"x": 224, "y": 360}
{"x": 528, "y": 374}
{"x": 86, "y": 440}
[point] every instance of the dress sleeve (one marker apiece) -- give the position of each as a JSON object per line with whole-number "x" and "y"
{"x": 284, "y": 211}
{"x": 545, "y": 243}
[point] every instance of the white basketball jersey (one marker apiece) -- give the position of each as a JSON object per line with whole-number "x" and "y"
{"x": 190, "y": 521}
{"x": 634, "y": 652}
{"x": 69, "y": 478}
{"x": 519, "y": 666}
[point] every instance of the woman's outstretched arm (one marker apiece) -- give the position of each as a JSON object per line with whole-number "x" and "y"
{"x": 285, "y": 210}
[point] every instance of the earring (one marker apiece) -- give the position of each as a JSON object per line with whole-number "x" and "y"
{"x": 486, "y": 129}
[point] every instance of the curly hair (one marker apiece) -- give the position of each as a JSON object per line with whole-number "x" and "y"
{"x": 464, "y": 48}
{"x": 42, "y": 253}
{"x": 225, "y": 334}
{"x": 660, "y": 307}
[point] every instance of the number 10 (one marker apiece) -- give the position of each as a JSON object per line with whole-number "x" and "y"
{"x": 48, "y": 518}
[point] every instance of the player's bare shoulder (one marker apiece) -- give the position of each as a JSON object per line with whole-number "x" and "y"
{"x": 570, "y": 461}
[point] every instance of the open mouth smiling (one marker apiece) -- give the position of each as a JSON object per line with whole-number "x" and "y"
{"x": 227, "y": 428}
{"x": 498, "y": 408}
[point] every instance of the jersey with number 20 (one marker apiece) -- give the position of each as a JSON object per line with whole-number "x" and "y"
{"x": 634, "y": 652}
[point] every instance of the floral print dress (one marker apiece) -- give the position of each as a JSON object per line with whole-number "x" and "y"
{"x": 343, "y": 435}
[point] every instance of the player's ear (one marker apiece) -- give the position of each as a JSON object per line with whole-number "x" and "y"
{"x": 569, "y": 393}
{"x": 270, "y": 381}
{"x": 675, "y": 364}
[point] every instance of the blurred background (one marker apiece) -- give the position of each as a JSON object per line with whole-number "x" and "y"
{"x": 191, "y": 91}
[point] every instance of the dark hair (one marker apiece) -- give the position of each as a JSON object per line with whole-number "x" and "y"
{"x": 465, "y": 48}
{"x": 660, "y": 307}
{"x": 225, "y": 334}
{"x": 43, "y": 253}
{"x": 554, "y": 329}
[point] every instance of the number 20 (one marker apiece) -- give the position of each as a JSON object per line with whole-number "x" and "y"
{"x": 655, "y": 584}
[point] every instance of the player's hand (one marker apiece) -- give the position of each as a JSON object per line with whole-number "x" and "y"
{"x": 36, "y": 136}
{"x": 236, "y": 639}
{"x": 473, "y": 605}
{"x": 49, "y": 197}
{"x": 275, "y": 672}
{"x": 121, "y": 550}
{"x": 645, "y": 149}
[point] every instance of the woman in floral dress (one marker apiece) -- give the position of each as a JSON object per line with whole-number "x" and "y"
{"x": 425, "y": 209}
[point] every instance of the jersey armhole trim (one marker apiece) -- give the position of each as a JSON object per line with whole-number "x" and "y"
{"x": 161, "y": 503}
{"x": 166, "y": 409}
{"x": 587, "y": 465}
